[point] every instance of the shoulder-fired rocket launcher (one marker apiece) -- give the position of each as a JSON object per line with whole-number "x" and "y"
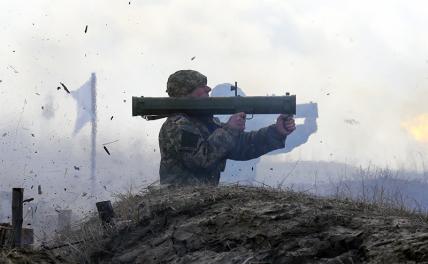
{"x": 152, "y": 108}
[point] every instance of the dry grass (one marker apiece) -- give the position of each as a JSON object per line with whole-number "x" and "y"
{"x": 23, "y": 256}
{"x": 89, "y": 234}
{"x": 376, "y": 190}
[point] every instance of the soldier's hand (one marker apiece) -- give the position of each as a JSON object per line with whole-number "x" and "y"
{"x": 285, "y": 124}
{"x": 237, "y": 121}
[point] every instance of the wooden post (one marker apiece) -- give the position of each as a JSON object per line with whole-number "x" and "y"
{"x": 6, "y": 232}
{"x": 17, "y": 198}
{"x": 64, "y": 220}
{"x": 27, "y": 237}
{"x": 106, "y": 213}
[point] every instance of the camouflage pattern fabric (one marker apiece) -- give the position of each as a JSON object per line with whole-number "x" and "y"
{"x": 183, "y": 82}
{"x": 194, "y": 150}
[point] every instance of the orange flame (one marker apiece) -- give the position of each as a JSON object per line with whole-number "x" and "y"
{"x": 418, "y": 127}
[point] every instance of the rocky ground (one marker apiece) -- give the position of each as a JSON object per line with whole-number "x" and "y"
{"x": 246, "y": 225}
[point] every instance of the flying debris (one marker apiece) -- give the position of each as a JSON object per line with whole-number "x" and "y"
{"x": 351, "y": 121}
{"x": 193, "y": 58}
{"x": 28, "y": 200}
{"x": 65, "y": 88}
{"x": 12, "y": 68}
{"x": 39, "y": 189}
{"x": 105, "y": 148}
{"x": 33, "y": 135}
{"x": 110, "y": 142}
{"x": 36, "y": 93}
{"x": 86, "y": 29}
{"x": 76, "y": 168}
{"x": 111, "y": 118}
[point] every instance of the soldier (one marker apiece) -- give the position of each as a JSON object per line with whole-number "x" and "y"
{"x": 194, "y": 149}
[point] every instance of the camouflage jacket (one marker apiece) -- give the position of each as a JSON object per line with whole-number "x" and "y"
{"x": 194, "y": 150}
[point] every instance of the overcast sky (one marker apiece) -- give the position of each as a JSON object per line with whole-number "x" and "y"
{"x": 364, "y": 62}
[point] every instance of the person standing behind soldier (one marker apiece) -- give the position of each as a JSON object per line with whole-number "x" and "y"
{"x": 194, "y": 149}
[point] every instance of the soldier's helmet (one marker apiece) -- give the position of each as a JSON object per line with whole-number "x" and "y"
{"x": 183, "y": 82}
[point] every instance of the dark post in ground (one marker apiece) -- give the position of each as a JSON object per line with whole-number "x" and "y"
{"x": 17, "y": 205}
{"x": 64, "y": 220}
{"x": 106, "y": 213}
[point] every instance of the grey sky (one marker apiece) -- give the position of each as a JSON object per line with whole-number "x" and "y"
{"x": 359, "y": 60}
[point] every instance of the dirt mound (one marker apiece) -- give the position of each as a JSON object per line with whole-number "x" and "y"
{"x": 255, "y": 225}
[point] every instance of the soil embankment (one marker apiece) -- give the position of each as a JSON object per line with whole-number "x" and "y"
{"x": 258, "y": 225}
{"x": 243, "y": 225}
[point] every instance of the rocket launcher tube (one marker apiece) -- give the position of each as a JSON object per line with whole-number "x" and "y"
{"x": 159, "y": 107}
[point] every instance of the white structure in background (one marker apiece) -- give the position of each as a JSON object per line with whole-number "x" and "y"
{"x": 245, "y": 171}
{"x": 87, "y": 112}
